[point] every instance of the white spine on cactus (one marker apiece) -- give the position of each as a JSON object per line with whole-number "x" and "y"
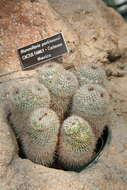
{"x": 91, "y": 74}
{"x": 62, "y": 85}
{"x": 24, "y": 98}
{"x": 92, "y": 103}
{"x": 65, "y": 84}
{"x": 40, "y": 139}
{"x": 77, "y": 142}
{"x": 30, "y": 96}
{"x": 47, "y": 73}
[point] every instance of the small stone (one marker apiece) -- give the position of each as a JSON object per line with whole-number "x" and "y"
{"x": 121, "y": 66}
{"x": 119, "y": 74}
{"x": 109, "y": 72}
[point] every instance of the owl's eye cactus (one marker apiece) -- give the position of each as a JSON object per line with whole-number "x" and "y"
{"x": 92, "y": 103}
{"x": 30, "y": 96}
{"x": 40, "y": 139}
{"x": 91, "y": 74}
{"x": 47, "y": 72}
{"x": 77, "y": 142}
{"x": 62, "y": 85}
{"x": 65, "y": 84}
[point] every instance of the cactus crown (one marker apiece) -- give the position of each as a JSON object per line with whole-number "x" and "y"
{"x": 27, "y": 98}
{"x": 46, "y": 74}
{"x": 91, "y": 74}
{"x": 65, "y": 84}
{"x": 60, "y": 82}
{"x": 91, "y": 100}
{"x": 77, "y": 132}
{"x": 43, "y": 124}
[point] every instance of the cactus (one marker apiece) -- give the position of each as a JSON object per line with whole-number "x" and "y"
{"x": 40, "y": 139}
{"x": 30, "y": 96}
{"x": 77, "y": 142}
{"x": 4, "y": 95}
{"x": 65, "y": 84}
{"x": 91, "y": 74}
{"x": 24, "y": 99}
{"x": 62, "y": 86}
{"x": 92, "y": 103}
{"x": 47, "y": 72}
{"x": 37, "y": 112}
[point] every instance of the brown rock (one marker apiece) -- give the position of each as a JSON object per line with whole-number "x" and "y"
{"x": 88, "y": 30}
{"x": 23, "y": 23}
{"x": 109, "y": 72}
{"x": 98, "y": 33}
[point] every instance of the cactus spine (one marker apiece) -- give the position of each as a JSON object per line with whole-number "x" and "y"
{"x": 62, "y": 85}
{"x": 47, "y": 73}
{"x": 65, "y": 84}
{"x": 40, "y": 139}
{"x": 30, "y": 96}
{"x": 92, "y": 103}
{"x": 77, "y": 142}
{"x": 91, "y": 74}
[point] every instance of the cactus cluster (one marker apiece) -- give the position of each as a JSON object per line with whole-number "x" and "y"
{"x": 59, "y": 105}
{"x": 60, "y": 117}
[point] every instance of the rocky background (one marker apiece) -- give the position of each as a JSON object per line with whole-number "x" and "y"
{"x": 94, "y": 33}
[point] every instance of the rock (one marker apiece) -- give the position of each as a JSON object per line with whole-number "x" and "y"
{"x": 99, "y": 40}
{"x": 121, "y": 66}
{"x": 109, "y": 72}
{"x": 26, "y": 22}
{"x": 119, "y": 74}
